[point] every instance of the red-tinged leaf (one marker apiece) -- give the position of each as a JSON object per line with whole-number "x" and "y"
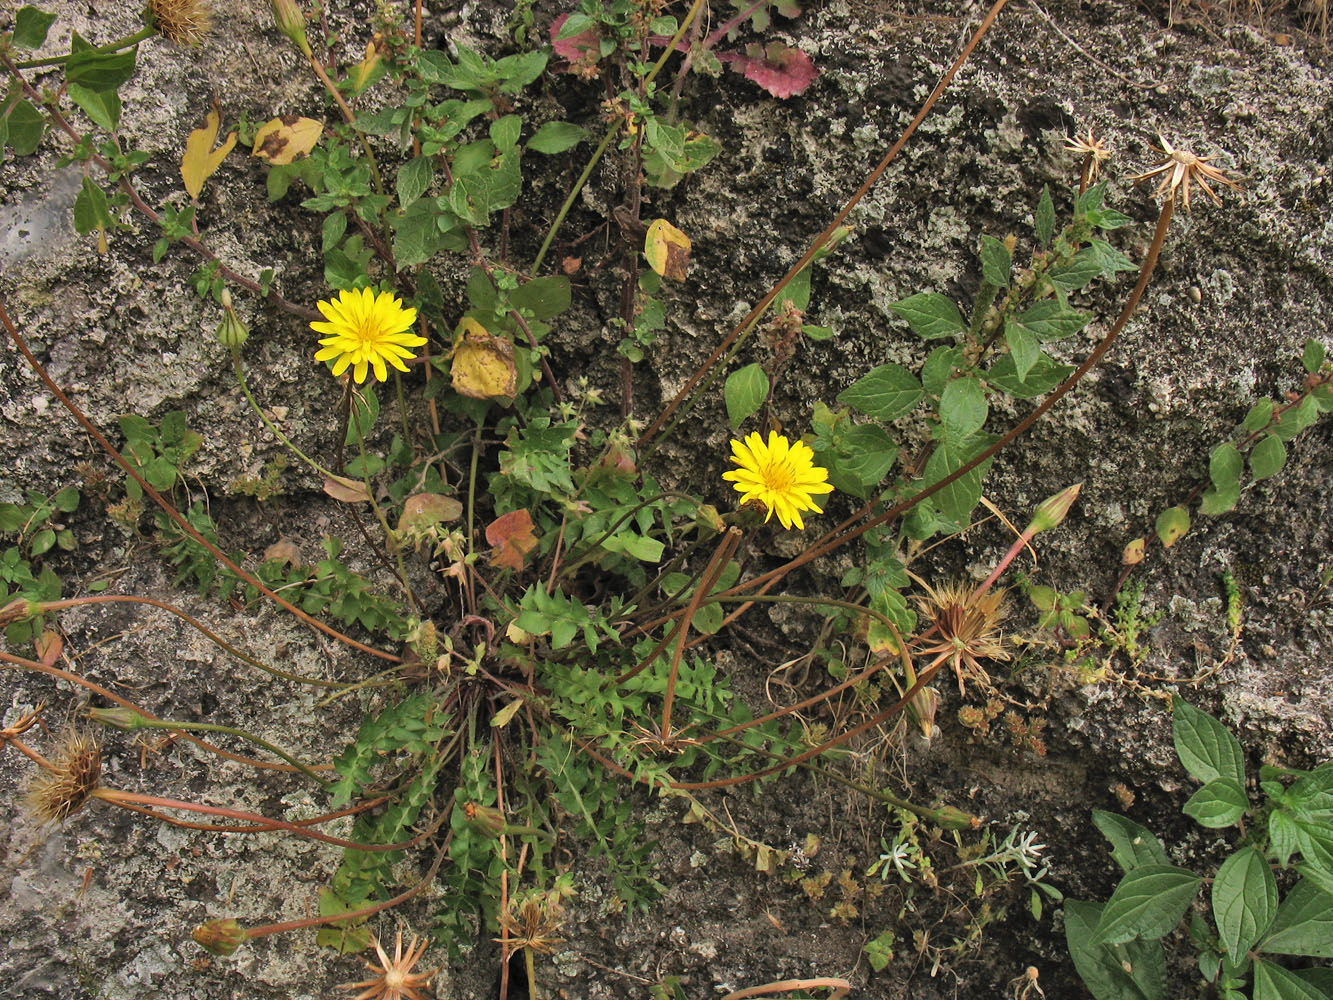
{"x": 346, "y": 490}
{"x": 49, "y": 646}
{"x": 584, "y": 45}
{"x": 513, "y": 538}
{"x": 782, "y": 71}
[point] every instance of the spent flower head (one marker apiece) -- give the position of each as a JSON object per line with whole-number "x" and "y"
{"x": 1180, "y": 170}
{"x": 396, "y": 980}
{"x": 966, "y": 630}
{"x": 185, "y": 22}
{"x": 781, "y": 475}
{"x": 365, "y": 330}
{"x": 1094, "y": 152}
{"x": 68, "y": 780}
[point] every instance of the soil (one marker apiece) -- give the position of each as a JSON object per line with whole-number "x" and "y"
{"x": 102, "y": 906}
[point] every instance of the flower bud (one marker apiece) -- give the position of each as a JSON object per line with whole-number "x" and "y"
{"x": 232, "y": 333}
{"x": 219, "y": 937}
{"x": 1052, "y": 510}
{"x": 18, "y": 610}
{"x": 951, "y": 818}
{"x": 289, "y": 19}
{"x": 120, "y": 718}
{"x": 487, "y": 819}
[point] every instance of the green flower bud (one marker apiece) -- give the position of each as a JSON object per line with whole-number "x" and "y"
{"x": 220, "y": 937}
{"x": 120, "y": 718}
{"x": 232, "y": 332}
{"x": 1052, "y": 510}
{"x": 290, "y": 20}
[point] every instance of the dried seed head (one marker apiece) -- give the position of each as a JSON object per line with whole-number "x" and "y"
{"x": 967, "y": 629}
{"x": 69, "y": 778}
{"x": 185, "y": 22}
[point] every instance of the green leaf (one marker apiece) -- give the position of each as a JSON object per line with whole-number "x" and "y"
{"x": 545, "y": 298}
{"x": 1085, "y": 266}
{"x": 930, "y": 315}
{"x": 1296, "y": 418}
{"x": 42, "y": 542}
{"x": 1132, "y": 845}
{"x": 91, "y": 209}
{"x": 1052, "y": 320}
{"x": 1172, "y": 524}
{"x": 939, "y": 367}
{"x": 1272, "y": 982}
{"x": 745, "y": 393}
{"x": 100, "y": 70}
{"x": 30, "y": 27}
{"x": 1219, "y": 501}
{"x": 885, "y": 393}
{"x": 957, "y": 500}
{"x": 1259, "y": 416}
{"x": 414, "y": 179}
{"x": 817, "y": 333}
{"x": 26, "y": 128}
{"x": 1206, "y": 748}
{"x": 365, "y": 409}
{"x": 1219, "y": 803}
{"x": 1244, "y": 901}
{"x": 504, "y": 131}
{"x": 1024, "y": 348}
{"x": 1042, "y": 377}
{"x": 996, "y": 262}
{"x": 963, "y": 407}
{"x": 868, "y": 453}
{"x": 1148, "y": 903}
{"x": 1102, "y": 967}
{"x": 1303, "y": 925}
{"x": 103, "y": 107}
{"x": 1043, "y": 219}
{"x": 556, "y": 137}
{"x": 1313, "y": 356}
{"x": 1225, "y": 466}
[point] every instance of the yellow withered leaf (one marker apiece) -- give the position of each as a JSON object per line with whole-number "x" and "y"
{"x": 284, "y": 139}
{"x": 483, "y": 366}
{"x": 201, "y": 159}
{"x": 667, "y": 250}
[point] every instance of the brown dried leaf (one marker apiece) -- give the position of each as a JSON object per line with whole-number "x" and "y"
{"x": 49, "y": 646}
{"x": 284, "y": 550}
{"x": 346, "y": 490}
{"x": 422, "y": 510}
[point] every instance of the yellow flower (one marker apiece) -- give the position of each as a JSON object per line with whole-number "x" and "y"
{"x": 364, "y": 331}
{"x": 780, "y": 475}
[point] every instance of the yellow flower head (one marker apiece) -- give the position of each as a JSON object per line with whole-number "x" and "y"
{"x": 364, "y": 330}
{"x": 780, "y": 475}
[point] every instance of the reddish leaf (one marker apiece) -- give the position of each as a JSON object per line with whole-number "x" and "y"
{"x": 513, "y": 538}
{"x": 49, "y": 644}
{"x": 583, "y": 46}
{"x": 782, "y": 71}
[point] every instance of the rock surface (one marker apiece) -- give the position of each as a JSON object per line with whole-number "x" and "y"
{"x": 103, "y": 905}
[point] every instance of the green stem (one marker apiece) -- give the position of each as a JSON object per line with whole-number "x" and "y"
{"x": 142, "y": 35}
{"x": 245, "y": 388}
{"x": 129, "y": 719}
{"x": 379, "y": 514}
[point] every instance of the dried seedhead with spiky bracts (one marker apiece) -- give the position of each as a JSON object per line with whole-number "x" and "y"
{"x": 1180, "y": 171}
{"x": 964, "y": 630}
{"x": 396, "y": 980}
{"x": 185, "y": 22}
{"x": 67, "y": 780}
